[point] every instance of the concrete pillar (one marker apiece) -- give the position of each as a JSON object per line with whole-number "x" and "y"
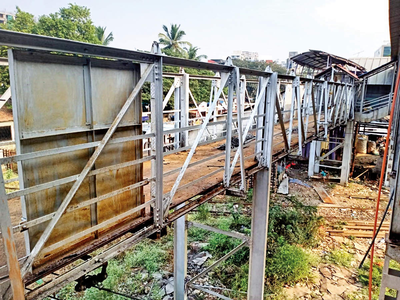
{"x": 180, "y": 258}
{"x": 259, "y": 231}
{"x": 347, "y": 151}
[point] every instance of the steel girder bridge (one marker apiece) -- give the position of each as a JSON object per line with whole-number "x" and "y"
{"x": 91, "y": 179}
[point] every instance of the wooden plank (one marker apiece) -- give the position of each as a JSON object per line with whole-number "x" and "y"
{"x": 323, "y": 194}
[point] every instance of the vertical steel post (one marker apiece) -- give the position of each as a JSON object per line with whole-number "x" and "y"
{"x": 259, "y": 120}
{"x": 156, "y": 88}
{"x": 259, "y": 223}
{"x": 240, "y": 87}
{"x": 184, "y": 109}
{"x": 347, "y": 150}
{"x": 311, "y": 159}
{"x": 178, "y": 111}
{"x": 228, "y": 142}
{"x": 12, "y": 66}
{"x": 14, "y": 271}
{"x": 180, "y": 258}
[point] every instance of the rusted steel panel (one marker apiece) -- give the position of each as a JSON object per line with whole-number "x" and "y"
{"x": 53, "y": 101}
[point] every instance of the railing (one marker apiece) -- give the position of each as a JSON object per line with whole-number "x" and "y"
{"x": 370, "y": 105}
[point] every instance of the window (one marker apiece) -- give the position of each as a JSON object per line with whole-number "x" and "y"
{"x": 1, "y": 16}
{"x": 1, "y": 22}
{"x": 386, "y": 51}
{"x": 5, "y": 133}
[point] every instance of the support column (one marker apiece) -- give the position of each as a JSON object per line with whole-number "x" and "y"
{"x": 259, "y": 230}
{"x": 347, "y": 150}
{"x": 177, "y": 113}
{"x": 261, "y": 194}
{"x": 311, "y": 160}
{"x": 180, "y": 258}
{"x": 184, "y": 106}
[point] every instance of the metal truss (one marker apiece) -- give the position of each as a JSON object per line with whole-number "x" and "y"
{"x": 284, "y": 114}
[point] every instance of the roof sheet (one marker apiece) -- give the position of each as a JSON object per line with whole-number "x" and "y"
{"x": 370, "y": 63}
{"x": 317, "y": 59}
{"x": 394, "y": 24}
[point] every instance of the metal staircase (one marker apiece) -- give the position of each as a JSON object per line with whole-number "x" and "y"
{"x": 373, "y": 109}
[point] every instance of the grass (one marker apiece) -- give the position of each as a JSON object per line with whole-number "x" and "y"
{"x": 289, "y": 264}
{"x": 130, "y": 273}
{"x": 341, "y": 257}
{"x": 363, "y": 276}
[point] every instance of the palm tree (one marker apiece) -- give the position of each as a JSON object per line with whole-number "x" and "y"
{"x": 172, "y": 38}
{"x": 101, "y": 35}
{"x": 191, "y": 53}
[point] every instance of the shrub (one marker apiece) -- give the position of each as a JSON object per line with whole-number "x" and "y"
{"x": 297, "y": 224}
{"x": 287, "y": 265}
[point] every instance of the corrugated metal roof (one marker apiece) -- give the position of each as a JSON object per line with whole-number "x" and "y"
{"x": 394, "y": 24}
{"x": 317, "y": 59}
{"x": 370, "y": 63}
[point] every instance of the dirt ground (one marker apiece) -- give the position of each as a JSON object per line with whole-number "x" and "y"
{"x": 331, "y": 281}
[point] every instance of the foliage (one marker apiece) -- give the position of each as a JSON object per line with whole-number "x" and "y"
{"x": 147, "y": 255}
{"x": 172, "y": 39}
{"x": 260, "y": 65}
{"x": 101, "y": 35}
{"x": 341, "y": 257}
{"x": 73, "y": 22}
{"x": 191, "y": 53}
{"x": 23, "y": 22}
{"x": 125, "y": 273}
{"x": 297, "y": 224}
{"x": 287, "y": 265}
{"x": 203, "y": 212}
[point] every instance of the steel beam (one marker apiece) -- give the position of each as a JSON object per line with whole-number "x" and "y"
{"x": 347, "y": 150}
{"x": 260, "y": 209}
{"x": 184, "y": 107}
{"x": 180, "y": 257}
{"x": 259, "y": 231}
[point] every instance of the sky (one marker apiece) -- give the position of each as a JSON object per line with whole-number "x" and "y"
{"x": 348, "y": 28}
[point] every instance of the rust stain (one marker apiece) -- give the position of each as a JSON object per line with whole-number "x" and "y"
{"x": 14, "y": 270}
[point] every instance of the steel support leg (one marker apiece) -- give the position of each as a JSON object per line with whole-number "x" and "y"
{"x": 259, "y": 230}
{"x": 260, "y": 210}
{"x": 180, "y": 258}
{"x": 347, "y": 150}
{"x": 14, "y": 270}
{"x": 311, "y": 159}
{"x": 184, "y": 106}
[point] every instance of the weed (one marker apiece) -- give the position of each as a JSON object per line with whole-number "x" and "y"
{"x": 147, "y": 255}
{"x": 298, "y": 224}
{"x": 203, "y": 212}
{"x": 341, "y": 257}
{"x": 287, "y": 265}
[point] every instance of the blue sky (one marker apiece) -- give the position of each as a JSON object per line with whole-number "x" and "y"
{"x": 347, "y": 28}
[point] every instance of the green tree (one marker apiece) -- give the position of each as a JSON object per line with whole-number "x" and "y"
{"x": 191, "y": 53}
{"x": 72, "y": 23}
{"x": 101, "y": 35}
{"x": 172, "y": 39}
{"x": 259, "y": 65}
{"x": 23, "y": 22}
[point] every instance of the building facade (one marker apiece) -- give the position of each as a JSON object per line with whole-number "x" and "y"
{"x": 6, "y": 17}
